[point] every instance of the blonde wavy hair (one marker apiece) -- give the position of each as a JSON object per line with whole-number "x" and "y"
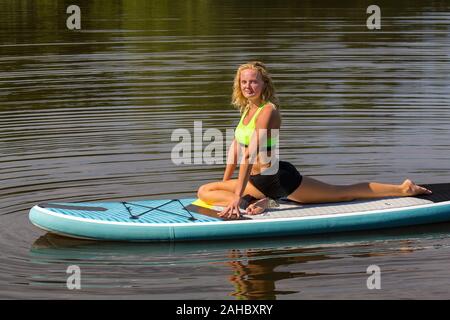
{"x": 268, "y": 94}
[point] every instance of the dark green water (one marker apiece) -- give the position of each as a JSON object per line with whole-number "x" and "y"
{"x": 88, "y": 115}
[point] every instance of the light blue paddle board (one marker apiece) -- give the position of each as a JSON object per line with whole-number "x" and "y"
{"x": 191, "y": 219}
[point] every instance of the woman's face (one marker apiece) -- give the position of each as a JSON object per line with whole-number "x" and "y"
{"x": 252, "y": 84}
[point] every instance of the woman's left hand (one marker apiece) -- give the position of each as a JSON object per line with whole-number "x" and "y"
{"x": 232, "y": 211}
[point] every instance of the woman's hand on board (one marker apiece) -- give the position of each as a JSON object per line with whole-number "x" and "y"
{"x": 232, "y": 211}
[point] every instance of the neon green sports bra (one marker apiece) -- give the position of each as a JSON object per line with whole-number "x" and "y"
{"x": 243, "y": 133}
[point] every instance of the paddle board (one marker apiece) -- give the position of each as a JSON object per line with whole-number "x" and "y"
{"x": 192, "y": 219}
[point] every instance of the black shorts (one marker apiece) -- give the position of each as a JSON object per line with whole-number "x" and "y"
{"x": 280, "y": 184}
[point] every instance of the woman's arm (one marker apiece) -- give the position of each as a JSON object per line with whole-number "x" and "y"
{"x": 246, "y": 165}
{"x": 231, "y": 160}
{"x": 250, "y": 154}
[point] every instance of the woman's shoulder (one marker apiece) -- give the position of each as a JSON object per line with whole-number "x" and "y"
{"x": 268, "y": 112}
{"x": 270, "y": 104}
{"x": 270, "y": 108}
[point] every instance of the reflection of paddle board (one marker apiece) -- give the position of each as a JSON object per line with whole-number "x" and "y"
{"x": 190, "y": 219}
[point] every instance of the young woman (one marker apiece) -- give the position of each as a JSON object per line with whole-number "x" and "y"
{"x": 262, "y": 180}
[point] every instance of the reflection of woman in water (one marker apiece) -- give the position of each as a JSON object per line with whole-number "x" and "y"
{"x": 254, "y": 95}
{"x": 256, "y": 279}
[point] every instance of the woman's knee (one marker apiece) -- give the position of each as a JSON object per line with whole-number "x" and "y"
{"x": 338, "y": 193}
{"x": 203, "y": 190}
{"x": 208, "y": 187}
{"x": 344, "y": 196}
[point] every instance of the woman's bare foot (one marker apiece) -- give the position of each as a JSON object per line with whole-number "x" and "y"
{"x": 411, "y": 189}
{"x": 260, "y": 206}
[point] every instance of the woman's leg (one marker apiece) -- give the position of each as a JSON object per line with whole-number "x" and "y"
{"x": 314, "y": 191}
{"x": 222, "y": 193}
